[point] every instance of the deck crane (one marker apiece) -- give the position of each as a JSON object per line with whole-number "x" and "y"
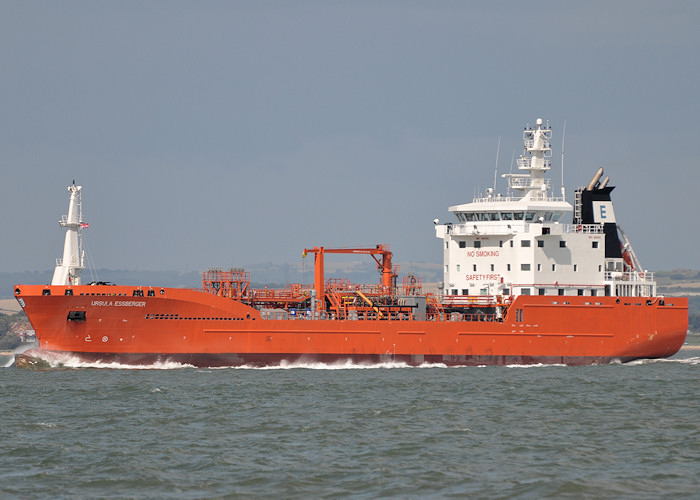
{"x": 384, "y": 265}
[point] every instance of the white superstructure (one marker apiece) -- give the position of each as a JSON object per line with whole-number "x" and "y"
{"x": 524, "y": 244}
{"x": 69, "y": 268}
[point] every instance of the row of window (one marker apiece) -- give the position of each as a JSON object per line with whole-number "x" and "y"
{"x": 560, "y": 291}
{"x": 490, "y": 216}
{"x": 540, "y": 291}
{"x": 523, "y": 243}
{"x": 523, "y": 267}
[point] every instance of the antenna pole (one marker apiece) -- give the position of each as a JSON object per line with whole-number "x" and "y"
{"x": 495, "y": 174}
{"x": 563, "y": 138}
{"x": 512, "y": 159}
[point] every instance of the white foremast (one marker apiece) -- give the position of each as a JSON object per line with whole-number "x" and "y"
{"x": 69, "y": 268}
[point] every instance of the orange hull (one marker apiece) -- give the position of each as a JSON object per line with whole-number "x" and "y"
{"x": 108, "y": 323}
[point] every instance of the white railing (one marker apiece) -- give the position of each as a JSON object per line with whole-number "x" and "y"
{"x": 481, "y": 227}
{"x": 527, "y": 183}
{"x": 499, "y": 199}
{"x": 583, "y": 228}
{"x": 469, "y": 229}
{"x": 78, "y": 263}
{"x": 631, "y": 276}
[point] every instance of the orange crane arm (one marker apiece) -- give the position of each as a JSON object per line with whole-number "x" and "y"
{"x": 319, "y": 280}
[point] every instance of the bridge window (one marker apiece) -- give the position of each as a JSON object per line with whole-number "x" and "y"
{"x": 507, "y": 215}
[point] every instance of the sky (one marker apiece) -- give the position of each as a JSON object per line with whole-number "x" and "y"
{"x": 230, "y": 133}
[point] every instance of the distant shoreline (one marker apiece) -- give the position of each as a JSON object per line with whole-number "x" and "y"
{"x": 9, "y": 306}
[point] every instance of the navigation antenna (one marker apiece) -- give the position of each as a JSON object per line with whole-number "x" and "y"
{"x": 512, "y": 159}
{"x": 563, "y": 138}
{"x": 495, "y": 174}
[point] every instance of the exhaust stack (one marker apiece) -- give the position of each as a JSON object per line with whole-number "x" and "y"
{"x": 594, "y": 181}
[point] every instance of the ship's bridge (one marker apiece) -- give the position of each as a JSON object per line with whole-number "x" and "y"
{"x": 499, "y": 210}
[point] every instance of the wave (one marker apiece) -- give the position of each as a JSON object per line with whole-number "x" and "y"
{"x": 76, "y": 363}
{"x": 18, "y": 350}
{"x": 338, "y": 365}
{"x": 537, "y": 365}
{"x": 683, "y": 361}
{"x": 45, "y": 360}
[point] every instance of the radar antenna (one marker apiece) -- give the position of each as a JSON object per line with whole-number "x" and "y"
{"x": 563, "y": 139}
{"x": 495, "y": 174}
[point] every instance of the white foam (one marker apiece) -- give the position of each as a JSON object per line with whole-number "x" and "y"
{"x": 76, "y": 362}
{"x": 337, "y": 365}
{"x": 18, "y": 350}
{"x": 683, "y": 361}
{"x": 64, "y": 360}
{"x": 536, "y": 365}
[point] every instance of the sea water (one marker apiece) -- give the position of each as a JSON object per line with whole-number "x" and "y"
{"x": 388, "y": 431}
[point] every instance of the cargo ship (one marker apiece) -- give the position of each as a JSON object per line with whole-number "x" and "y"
{"x": 528, "y": 278}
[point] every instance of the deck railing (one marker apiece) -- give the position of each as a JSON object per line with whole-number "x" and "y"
{"x": 513, "y": 227}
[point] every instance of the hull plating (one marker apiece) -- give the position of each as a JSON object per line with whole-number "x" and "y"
{"x": 109, "y": 324}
